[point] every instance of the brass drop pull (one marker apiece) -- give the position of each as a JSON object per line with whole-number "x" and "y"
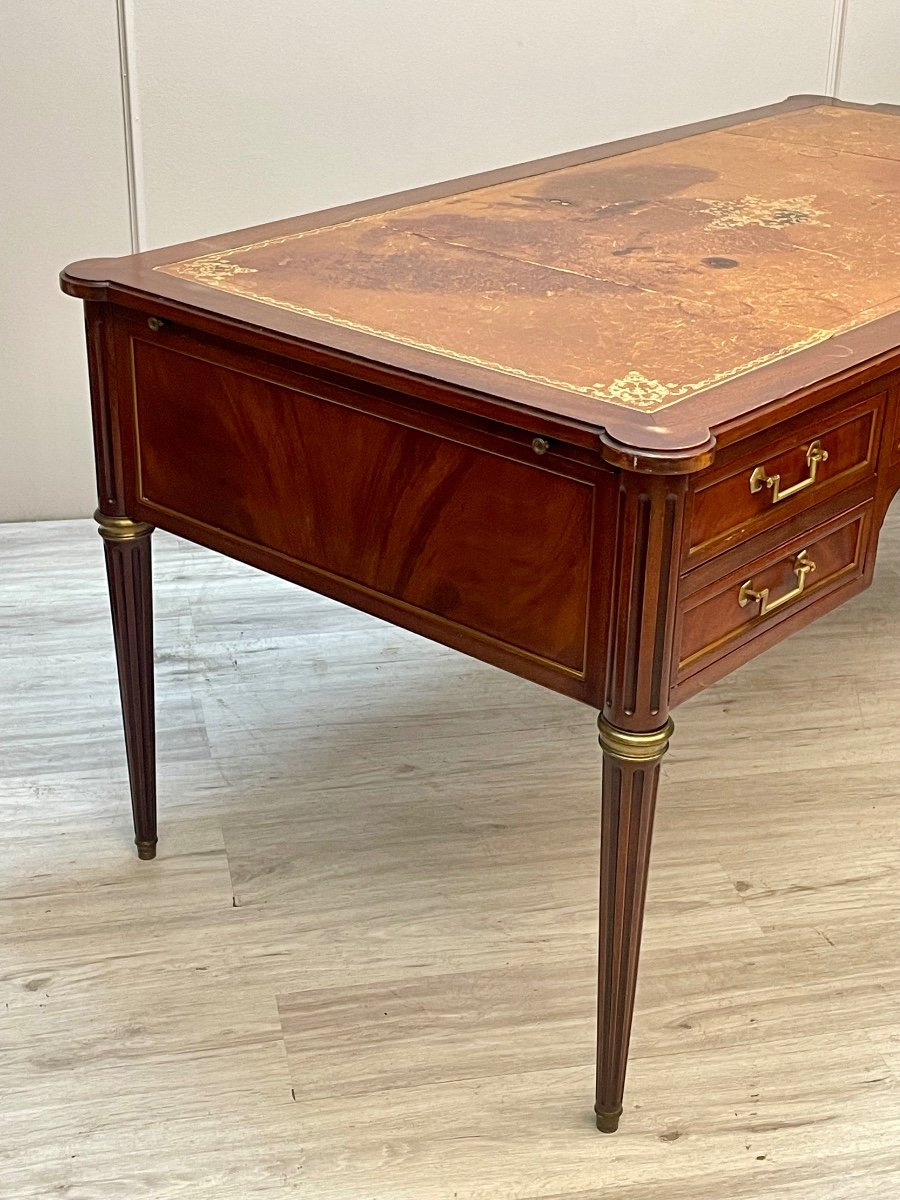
{"x": 540, "y": 445}
{"x": 803, "y": 564}
{"x": 759, "y": 478}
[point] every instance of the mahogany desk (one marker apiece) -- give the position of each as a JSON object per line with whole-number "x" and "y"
{"x": 615, "y": 421}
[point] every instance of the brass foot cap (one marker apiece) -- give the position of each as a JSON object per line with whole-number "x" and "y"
{"x": 608, "y": 1122}
{"x": 146, "y": 850}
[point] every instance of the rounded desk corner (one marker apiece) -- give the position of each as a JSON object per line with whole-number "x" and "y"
{"x": 87, "y": 279}
{"x": 656, "y": 451}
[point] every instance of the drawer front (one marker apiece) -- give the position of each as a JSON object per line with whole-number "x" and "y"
{"x": 779, "y": 476}
{"x": 755, "y": 597}
{"x": 483, "y": 539}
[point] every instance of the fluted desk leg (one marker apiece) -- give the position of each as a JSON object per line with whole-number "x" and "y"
{"x": 630, "y": 776}
{"x": 634, "y": 733}
{"x": 128, "y": 570}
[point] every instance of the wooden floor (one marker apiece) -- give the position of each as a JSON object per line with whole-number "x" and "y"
{"x": 363, "y": 965}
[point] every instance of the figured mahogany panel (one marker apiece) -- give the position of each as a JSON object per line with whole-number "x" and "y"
{"x": 715, "y": 621}
{"x": 725, "y": 509}
{"x": 476, "y": 535}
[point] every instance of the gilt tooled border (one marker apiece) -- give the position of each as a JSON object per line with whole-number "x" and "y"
{"x": 634, "y": 382}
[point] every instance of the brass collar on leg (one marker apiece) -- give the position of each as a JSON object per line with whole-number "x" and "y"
{"x": 121, "y": 529}
{"x": 634, "y": 747}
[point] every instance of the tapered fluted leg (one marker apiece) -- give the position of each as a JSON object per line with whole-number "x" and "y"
{"x": 630, "y": 776}
{"x": 127, "y": 546}
{"x": 634, "y": 734}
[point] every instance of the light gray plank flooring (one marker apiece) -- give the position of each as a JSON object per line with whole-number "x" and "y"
{"x": 362, "y": 967}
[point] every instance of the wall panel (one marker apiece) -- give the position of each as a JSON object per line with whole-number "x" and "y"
{"x": 244, "y": 113}
{"x": 251, "y": 113}
{"x": 870, "y": 64}
{"x": 64, "y": 196}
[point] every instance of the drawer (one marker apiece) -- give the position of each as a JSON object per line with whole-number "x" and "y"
{"x": 766, "y": 589}
{"x": 778, "y": 475}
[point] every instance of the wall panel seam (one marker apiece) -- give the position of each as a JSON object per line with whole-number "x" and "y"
{"x": 130, "y": 122}
{"x": 836, "y": 47}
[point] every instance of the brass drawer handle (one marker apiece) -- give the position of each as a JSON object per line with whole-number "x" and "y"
{"x": 803, "y": 564}
{"x": 759, "y": 478}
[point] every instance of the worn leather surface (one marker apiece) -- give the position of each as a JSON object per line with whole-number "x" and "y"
{"x": 639, "y": 280}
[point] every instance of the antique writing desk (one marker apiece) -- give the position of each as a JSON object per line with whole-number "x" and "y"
{"x": 614, "y": 421}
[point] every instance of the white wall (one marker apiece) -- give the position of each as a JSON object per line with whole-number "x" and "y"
{"x": 63, "y": 196}
{"x": 870, "y": 62}
{"x": 245, "y": 113}
{"x": 252, "y": 113}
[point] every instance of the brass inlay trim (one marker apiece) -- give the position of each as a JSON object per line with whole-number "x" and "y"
{"x": 634, "y": 747}
{"x": 121, "y": 529}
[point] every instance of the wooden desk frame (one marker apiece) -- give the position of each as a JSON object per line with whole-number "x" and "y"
{"x": 627, "y": 635}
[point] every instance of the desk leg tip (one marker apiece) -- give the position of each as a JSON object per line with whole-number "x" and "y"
{"x": 608, "y": 1122}
{"x": 146, "y": 850}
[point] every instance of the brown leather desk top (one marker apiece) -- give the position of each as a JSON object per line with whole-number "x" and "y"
{"x": 684, "y": 281}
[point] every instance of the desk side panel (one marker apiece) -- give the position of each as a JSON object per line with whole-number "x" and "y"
{"x": 463, "y": 535}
